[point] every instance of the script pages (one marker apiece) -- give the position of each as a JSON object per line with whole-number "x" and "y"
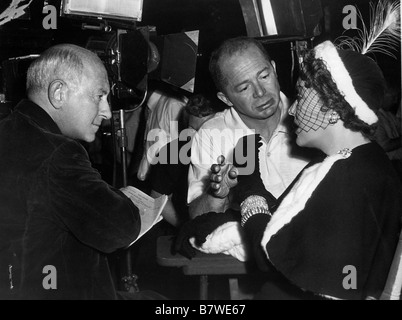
{"x": 150, "y": 208}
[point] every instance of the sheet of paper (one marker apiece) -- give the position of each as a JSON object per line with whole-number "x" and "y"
{"x": 129, "y": 8}
{"x": 150, "y": 208}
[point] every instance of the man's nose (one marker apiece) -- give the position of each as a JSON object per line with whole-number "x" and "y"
{"x": 104, "y": 110}
{"x": 259, "y": 90}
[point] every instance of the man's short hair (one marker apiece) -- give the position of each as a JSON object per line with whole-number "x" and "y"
{"x": 64, "y": 62}
{"x": 228, "y": 48}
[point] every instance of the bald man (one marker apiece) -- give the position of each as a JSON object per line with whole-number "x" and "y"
{"x": 58, "y": 218}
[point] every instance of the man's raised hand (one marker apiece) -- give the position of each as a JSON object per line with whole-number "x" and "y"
{"x": 223, "y": 177}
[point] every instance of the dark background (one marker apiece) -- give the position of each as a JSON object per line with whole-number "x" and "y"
{"x": 216, "y": 19}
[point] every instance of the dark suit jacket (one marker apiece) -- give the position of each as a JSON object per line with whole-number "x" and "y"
{"x": 55, "y": 210}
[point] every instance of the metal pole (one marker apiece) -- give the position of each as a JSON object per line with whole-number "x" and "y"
{"x": 123, "y": 146}
{"x": 130, "y": 280}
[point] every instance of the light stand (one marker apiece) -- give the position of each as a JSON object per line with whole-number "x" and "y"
{"x": 129, "y": 281}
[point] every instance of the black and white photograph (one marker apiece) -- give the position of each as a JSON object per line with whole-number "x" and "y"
{"x": 200, "y": 155}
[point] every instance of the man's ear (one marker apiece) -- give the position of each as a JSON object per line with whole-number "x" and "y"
{"x": 57, "y": 93}
{"x": 274, "y": 66}
{"x": 221, "y": 96}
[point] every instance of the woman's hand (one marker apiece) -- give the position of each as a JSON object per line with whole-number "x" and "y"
{"x": 223, "y": 177}
{"x": 246, "y": 160}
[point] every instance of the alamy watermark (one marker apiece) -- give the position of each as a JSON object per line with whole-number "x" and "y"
{"x": 350, "y": 281}
{"x": 350, "y": 20}
{"x": 209, "y": 142}
{"x": 50, "y": 21}
{"x": 49, "y": 282}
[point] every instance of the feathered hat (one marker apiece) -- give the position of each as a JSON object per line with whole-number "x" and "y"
{"x": 357, "y": 77}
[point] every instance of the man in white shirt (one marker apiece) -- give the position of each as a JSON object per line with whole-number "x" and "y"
{"x": 247, "y": 82}
{"x": 161, "y": 127}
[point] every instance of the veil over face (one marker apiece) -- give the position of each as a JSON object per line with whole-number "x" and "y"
{"x": 307, "y": 109}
